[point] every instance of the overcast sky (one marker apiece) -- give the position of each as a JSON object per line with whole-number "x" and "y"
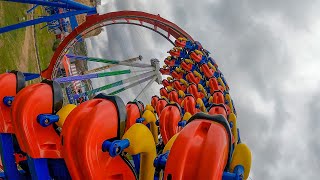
{"x": 269, "y": 53}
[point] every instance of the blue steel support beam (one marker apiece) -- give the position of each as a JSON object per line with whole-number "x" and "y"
{"x": 75, "y": 5}
{"x": 30, "y": 76}
{"x": 38, "y": 168}
{"x": 62, "y": 4}
{"x": 73, "y": 22}
{"x": 32, "y": 9}
{"x": 44, "y": 19}
{"x": 7, "y": 157}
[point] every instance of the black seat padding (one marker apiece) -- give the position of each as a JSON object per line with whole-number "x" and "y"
{"x": 217, "y": 105}
{"x": 21, "y": 82}
{"x": 57, "y": 95}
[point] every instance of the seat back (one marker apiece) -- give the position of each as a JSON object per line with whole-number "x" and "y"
{"x": 201, "y": 150}
{"x": 189, "y": 104}
{"x": 169, "y": 118}
{"x": 41, "y": 98}
{"x": 133, "y": 113}
{"x": 154, "y": 101}
{"x": 173, "y": 96}
{"x": 160, "y": 105}
{"x": 84, "y": 131}
{"x": 10, "y": 84}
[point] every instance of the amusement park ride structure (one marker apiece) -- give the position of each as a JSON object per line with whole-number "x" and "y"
{"x": 189, "y": 132}
{"x": 73, "y": 8}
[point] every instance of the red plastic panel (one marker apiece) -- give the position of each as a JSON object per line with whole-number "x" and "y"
{"x": 218, "y": 97}
{"x": 192, "y": 78}
{"x": 166, "y": 83}
{"x": 208, "y": 72}
{"x": 199, "y": 152}
{"x": 218, "y": 109}
{"x": 83, "y": 133}
{"x": 180, "y": 42}
{"x": 8, "y": 88}
{"x": 189, "y": 104}
{"x": 160, "y": 105}
{"x": 164, "y": 92}
{"x": 179, "y": 86}
{"x": 35, "y": 140}
{"x": 169, "y": 62}
{"x": 165, "y": 71}
{"x": 133, "y": 113}
{"x": 169, "y": 118}
{"x": 175, "y": 52}
{"x": 177, "y": 75}
{"x": 154, "y": 101}
{"x": 193, "y": 89}
{"x": 173, "y": 96}
{"x": 196, "y": 57}
{"x": 186, "y": 66}
{"x": 214, "y": 86}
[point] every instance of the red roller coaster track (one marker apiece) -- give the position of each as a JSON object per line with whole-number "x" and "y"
{"x": 150, "y": 21}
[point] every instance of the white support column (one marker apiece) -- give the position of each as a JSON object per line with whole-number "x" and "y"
{"x": 147, "y": 86}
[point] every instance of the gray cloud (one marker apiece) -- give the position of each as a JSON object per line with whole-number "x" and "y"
{"x": 313, "y": 126}
{"x": 258, "y": 46}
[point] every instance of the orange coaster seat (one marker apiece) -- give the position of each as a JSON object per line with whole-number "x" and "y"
{"x": 10, "y": 83}
{"x": 41, "y": 98}
{"x": 189, "y": 104}
{"x": 83, "y": 133}
{"x": 201, "y": 150}
{"x": 161, "y": 103}
{"x": 169, "y": 118}
{"x": 133, "y": 113}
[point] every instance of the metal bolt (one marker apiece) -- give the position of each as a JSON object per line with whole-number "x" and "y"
{"x": 46, "y": 121}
